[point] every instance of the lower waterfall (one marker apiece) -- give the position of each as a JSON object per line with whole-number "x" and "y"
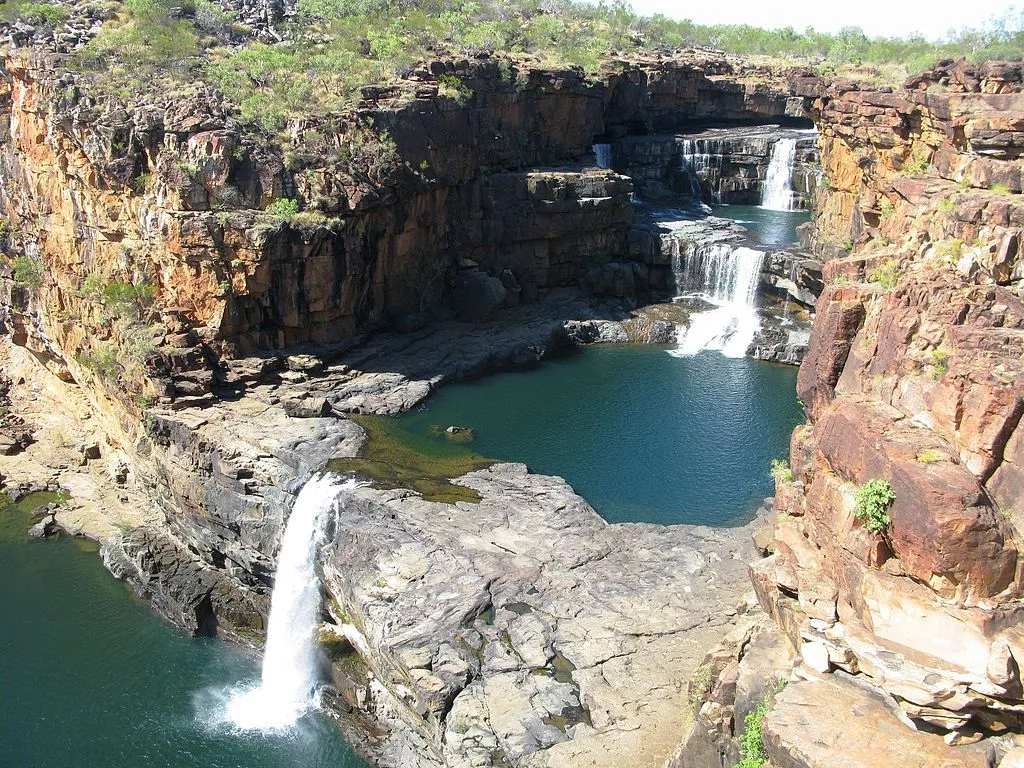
{"x": 777, "y": 192}
{"x": 289, "y": 681}
{"x": 727, "y": 277}
{"x": 603, "y": 155}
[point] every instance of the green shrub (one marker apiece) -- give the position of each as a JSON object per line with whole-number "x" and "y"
{"x": 917, "y": 167}
{"x": 887, "y": 208}
{"x": 452, "y": 87}
{"x": 872, "y": 500}
{"x": 949, "y": 250}
{"x": 283, "y": 209}
{"x": 930, "y": 456}
{"x": 147, "y": 44}
{"x": 780, "y": 471}
{"x": 946, "y": 205}
{"x": 886, "y": 275}
{"x": 27, "y": 273}
{"x": 752, "y": 753}
{"x": 999, "y": 189}
{"x": 33, "y": 12}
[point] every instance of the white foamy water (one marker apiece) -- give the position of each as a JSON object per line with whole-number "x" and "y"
{"x": 287, "y": 689}
{"x": 777, "y": 192}
{"x": 726, "y": 277}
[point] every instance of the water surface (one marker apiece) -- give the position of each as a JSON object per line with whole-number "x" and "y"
{"x": 768, "y": 228}
{"x": 89, "y": 677}
{"x": 642, "y": 435}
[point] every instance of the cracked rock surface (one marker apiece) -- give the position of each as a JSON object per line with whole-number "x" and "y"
{"x": 525, "y": 630}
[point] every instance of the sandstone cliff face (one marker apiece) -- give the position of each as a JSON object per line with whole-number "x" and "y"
{"x": 394, "y": 199}
{"x": 913, "y": 377}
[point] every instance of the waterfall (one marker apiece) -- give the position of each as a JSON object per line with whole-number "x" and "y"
{"x": 603, "y": 153}
{"x": 727, "y": 277}
{"x": 777, "y": 192}
{"x": 286, "y": 690}
{"x": 693, "y": 162}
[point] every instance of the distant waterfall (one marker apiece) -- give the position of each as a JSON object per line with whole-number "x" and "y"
{"x": 603, "y": 153}
{"x": 694, "y": 161}
{"x": 777, "y": 192}
{"x": 727, "y": 277}
{"x": 286, "y": 691}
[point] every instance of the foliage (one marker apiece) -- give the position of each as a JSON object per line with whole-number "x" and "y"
{"x": 916, "y": 167}
{"x": 33, "y": 12}
{"x": 452, "y": 87}
{"x": 27, "y": 273}
{"x": 999, "y": 189}
{"x": 872, "y": 500}
{"x": 700, "y": 684}
{"x": 887, "y": 208}
{"x": 886, "y": 275}
{"x": 283, "y": 209}
{"x": 946, "y": 205}
{"x": 949, "y": 250}
{"x": 930, "y": 456}
{"x": 938, "y": 358}
{"x": 103, "y": 362}
{"x": 752, "y": 753}
{"x": 147, "y": 43}
{"x": 780, "y": 471}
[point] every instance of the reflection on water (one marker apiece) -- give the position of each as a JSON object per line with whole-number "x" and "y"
{"x": 642, "y": 435}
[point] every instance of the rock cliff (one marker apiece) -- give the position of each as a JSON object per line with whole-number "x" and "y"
{"x": 912, "y": 378}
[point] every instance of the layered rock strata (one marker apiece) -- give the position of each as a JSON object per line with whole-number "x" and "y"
{"x": 913, "y": 377}
{"x": 723, "y": 165}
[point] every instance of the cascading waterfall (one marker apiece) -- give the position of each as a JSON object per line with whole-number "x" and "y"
{"x": 289, "y": 682}
{"x": 603, "y": 153}
{"x": 727, "y": 277}
{"x": 777, "y": 192}
{"x": 694, "y": 161}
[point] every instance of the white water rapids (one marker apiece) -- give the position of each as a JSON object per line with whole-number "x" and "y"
{"x": 288, "y": 686}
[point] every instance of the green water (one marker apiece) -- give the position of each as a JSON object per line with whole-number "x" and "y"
{"x": 642, "y": 435}
{"x": 90, "y": 678}
{"x": 770, "y": 229}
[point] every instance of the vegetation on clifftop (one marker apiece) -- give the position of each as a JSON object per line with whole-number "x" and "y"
{"x": 315, "y": 61}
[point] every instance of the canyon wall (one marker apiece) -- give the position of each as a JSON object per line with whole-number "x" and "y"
{"x": 913, "y": 378}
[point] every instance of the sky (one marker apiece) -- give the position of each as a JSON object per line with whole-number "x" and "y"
{"x": 876, "y": 17}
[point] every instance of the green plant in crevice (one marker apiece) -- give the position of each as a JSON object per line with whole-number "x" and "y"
{"x": 872, "y": 500}
{"x": 27, "y": 273}
{"x": 937, "y": 360}
{"x": 752, "y": 752}
{"x": 917, "y": 167}
{"x": 780, "y": 471}
{"x": 887, "y": 275}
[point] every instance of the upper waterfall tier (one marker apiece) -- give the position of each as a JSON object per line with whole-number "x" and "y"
{"x": 722, "y": 165}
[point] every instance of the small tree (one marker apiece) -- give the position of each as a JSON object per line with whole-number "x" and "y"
{"x": 873, "y": 499}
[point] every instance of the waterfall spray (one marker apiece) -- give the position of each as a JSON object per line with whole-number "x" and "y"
{"x": 603, "y": 155}
{"x": 777, "y": 192}
{"x": 726, "y": 277}
{"x": 288, "y": 685}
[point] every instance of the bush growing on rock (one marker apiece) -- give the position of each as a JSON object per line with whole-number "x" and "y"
{"x": 872, "y": 500}
{"x": 752, "y": 754}
{"x": 780, "y": 471}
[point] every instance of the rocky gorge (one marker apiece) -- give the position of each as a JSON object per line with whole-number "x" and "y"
{"x": 433, "y": 239}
